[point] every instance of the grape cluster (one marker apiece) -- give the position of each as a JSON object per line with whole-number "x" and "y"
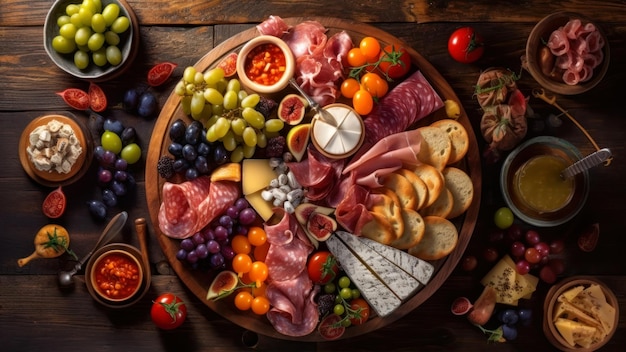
{"x": 240, "y": 121}
{"x": 117, "y": 151}
{"x": 211, "y": 248}
{"x": 193, "y": 155}
{"x": 511, "y": 318}
{"x": 140, "y": 101}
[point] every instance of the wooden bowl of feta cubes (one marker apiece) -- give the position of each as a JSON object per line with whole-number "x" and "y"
{"x": 581, "y": 314}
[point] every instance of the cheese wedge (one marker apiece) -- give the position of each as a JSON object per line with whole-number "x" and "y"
{"x": 256, "y": 174}
{"x": 573, "y": 330}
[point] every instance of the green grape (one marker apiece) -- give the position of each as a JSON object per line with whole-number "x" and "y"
{"x": 96, "y": 41}
{"x": 339, "y": 309}
{"x": 274, "y": 125}
{"x": 98, "y": 23}
{"x": 111, "y": 141}
{"x": 213, "y": 76}
{"x": 62, "y": 20}
{"x": 190, "y": 88}
{"x": 68, "y": 31}
{"x": 76, "y": 20}
{"x": 230, "y": 100}
{"x": 111, "y": 38}
{"x": 329, "y": 288}
{"x": 346, "y": 293}
{"x": 222, "y": 126}
{"x": 344, "y": 282}
{"x": 211, "y": 136}
{"x": 72, "y": 9}
{"x": 179, "y": 89}
{"x": 249, "y": 136}
{"x": 211, "y": 120}
{"x": 261, "y": 139}
{"x": 250, "y": 101}
{"x": 110, "y": 13}
{"x": 185, "y": 103}
{"x": 131, "y": 153}
{"x": 90, "y": 5}
{"x": 98, "y": 4}
{"x": 120, "y": 25}
{"x": 99, "y": 57}
{"x": 218, "y": 110}
{"x": 229, "y": 141}
{"x": 81, "y": 59}
{"x": 206, "y": 114}
{"x": 82, "y": 35}
{"x": 236, "y": 156}
{"x": 238, "y": 125}
{"x": 242, "y": 94}
{"x": 234, "y": 85}
{"x": 248, "y": 151}
{"x": 198, "y": 78}
{"x": 253, "y": 118}
{"x": 221, "y": 85}
{"x": 63, "y": 45}
{"x": 197, "y": 104}
{"x": 189, "y": 74}
{"x": 213, "y": 96}
{"x": 356, "y": 293}
{"x": 114, "y": 55}
{"x": 84, "y": 48}
{"x": 85, "y": 16}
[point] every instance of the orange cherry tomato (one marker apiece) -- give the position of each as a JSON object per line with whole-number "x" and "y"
{"x": 241, "y": 244}
{"x": 260, "y": 305}
{"x": 376, "y": 85}
{"x": 258, "y": 273}
{"x": 260, "y": 252}
{"x": 362, "y": 102}
{"x": 242, "y": 264}
{"x": 349, "y": 86}
{"x": 356, "y": 57}
{"x": 370, "y": 48}
{"x": 243, "y": 300}
{"x": 256, "y": 236}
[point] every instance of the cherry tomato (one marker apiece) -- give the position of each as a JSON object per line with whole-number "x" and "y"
{"x": 242, "y": 263}
{"x": 54, "y": 204}
{"x": 75, "y": 98}
{"x": 229, "y": 64}
{"x": 465, "y": 45}
{"x": 374, "y": 84}
{"x": 258, "y": 273}
{"x": 241, "y": 244}
{"x": 370, "y": 48}
{"x": 322, "y": 267}
{"x": 363, "y": 102}
{"x": 330, "y": 327}
{"x": 160, "y": 72}
{"x": 97, "y": 98}
{"x": 168, "y": 311}
{"x": 257, "y": 236}
{"x": 361, "y": 311}
{"x": 349, "y": 86}
{"x": 243, "y": 300}
{"x": 395, "y": 62}
{"x": 260, "y": 252}
{"x": 356, "y": 58}
{"x": 260, "y": 305}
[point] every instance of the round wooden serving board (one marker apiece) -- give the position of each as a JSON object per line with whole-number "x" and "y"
{"x": 198, "y": 282}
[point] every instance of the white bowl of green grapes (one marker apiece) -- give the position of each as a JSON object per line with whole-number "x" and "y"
{"x": 91, "y": 39}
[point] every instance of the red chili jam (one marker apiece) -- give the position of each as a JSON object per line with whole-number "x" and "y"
{"x": 117, "y": 276}
{"x": 265, "y": 64}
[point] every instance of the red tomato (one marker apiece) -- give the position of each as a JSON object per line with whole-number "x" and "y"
{"x": 330, "y": 327}
{"x": 76, "y": 98}
{"x": 229, "y": 64}
{"x": 160, "y": 72}
{"x": 395, "y": 62}
{"x": 465, "y": 45}
{"x": 361, "y": 311}
{"x": 168, "y": 311}
{"x": 97, "y": 98}
{"x": 54, "y": 204}
{"x": 322, "y": 267}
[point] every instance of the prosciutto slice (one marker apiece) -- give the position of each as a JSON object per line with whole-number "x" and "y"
{"x": 191, "y": 205}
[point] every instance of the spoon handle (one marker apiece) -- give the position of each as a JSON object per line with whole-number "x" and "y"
{"x": 586, "y": 163}
{"x": 140, "y": 227}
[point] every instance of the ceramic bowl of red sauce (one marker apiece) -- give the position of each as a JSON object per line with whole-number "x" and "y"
{"x": 265, "y": 64}
{"x": 116, "y": 276}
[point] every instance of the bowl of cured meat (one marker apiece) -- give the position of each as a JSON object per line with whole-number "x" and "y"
{"x": 567, "y": 53}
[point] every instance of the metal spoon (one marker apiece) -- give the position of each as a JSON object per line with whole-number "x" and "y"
{"x": 591, "y": 160}
{"x": 321, "y": 112}
{"x": 110, "y": 231}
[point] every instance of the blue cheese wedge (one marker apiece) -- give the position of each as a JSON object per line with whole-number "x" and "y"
{"x": 382, "y": 300}
{"x": 418, "y": 268}
{"x": 398, "y": 280}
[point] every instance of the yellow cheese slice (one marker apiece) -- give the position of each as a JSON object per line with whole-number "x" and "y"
{"x": 256, "y": 174}
{"x": 502, "y": 278}
{"x": 262, "y": 207}
{"x": 570, "y": 294}
{"x": 573, "y": 330}
{"x": 593, "y": 301}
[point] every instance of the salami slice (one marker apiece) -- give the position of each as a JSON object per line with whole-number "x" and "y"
{"x": 289, "y": 249}
{"x": 189, "y": 206}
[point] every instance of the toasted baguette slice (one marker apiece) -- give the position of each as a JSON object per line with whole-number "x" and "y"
{"x": 379, "y": 229}
{"x": 440, "y": 238}
{"x": 421, "y": 191}
{"x": 442, "y": 206}
{"x": 435, "y": 148}
{"x": 462, "y": 189}
{"x": 433, "y": 179}
{"x": 389, "y": 206}
{"x": 458, "y": 138}
{"x": 403, "y": 189}
{"x": 413, "y": 230}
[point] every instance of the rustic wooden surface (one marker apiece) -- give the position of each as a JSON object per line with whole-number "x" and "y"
{"x": 36, "y": 314}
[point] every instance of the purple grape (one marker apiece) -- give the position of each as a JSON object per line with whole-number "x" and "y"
{"x": 187, "y": 244}
{"x": 247, "y": 216}
{"x": 220, "y": 155}
{"x": 193, "y": 132}
{"x": 131, "y": 99}
{"x": 180, "y": 165}
{"x": 108, "y": 158}
{"x": 240, "y": 229}
{"x": 213, "y": 246}
{"x": 189, "y": 152}
{"x": 181, "y": 254}
{"x": 191, "y": 173}
{"x": 177, "y": 130}
{"x": 104, "y": 176}
{"x": 208, "y": 234}
{"x": 217, "y": 260}
{"x": 98, "y": 152}
{"x": 97, "y": 209}
{"x": 241, "y": 204}
{"x": 121, "y": 164}
{"x": 202, "y": 251}
{"x": 121, "y": 175}
{"x": 197, "y": 238}
{"x": 509, "y": 332}
{"x": 203, "y": 149}
{"x": 192, "y": 257}
{"x": 113, "y": 125}
{"x": 221, "y": 233}
{"x": 202, "y": 165}
{"x": 128, "y": 135}
{"x": 147, "y": 105}
{"x": 226, "y": 221}
{"x": 109, "y": 198}
{"x": 118, "y": 188}
{"x": 228, "y": 252}
{"x": 232, "y": 211}
{"x": 176, "y": 149}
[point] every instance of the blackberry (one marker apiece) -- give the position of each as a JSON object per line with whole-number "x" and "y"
{"x": 275, "y": 147}
{"x": 325, "y": 303}
{"x": 165, "y": 166}
{"x": 266, "y": 106}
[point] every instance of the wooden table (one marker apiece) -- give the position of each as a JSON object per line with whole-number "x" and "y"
{"x": 35, "y": 314}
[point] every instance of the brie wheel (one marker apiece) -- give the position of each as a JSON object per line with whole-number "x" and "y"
{"x": 339, "y": 138}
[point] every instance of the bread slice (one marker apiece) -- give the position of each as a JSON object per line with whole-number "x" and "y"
{"x": 435, "y": 147}
{"x": 440, "y": 238}
{"x": 433, "y": 179}
{"x": 462, "y": 189}
{"x": 379, "y": 229}
{"x": 442, "y": 206}
{"x": 421, "y": 191}
{"x": 458, "y": 138}
{"x": 403, "y": 189}
{"x": 413, "y": 230}
{"x": 389, "y": 206}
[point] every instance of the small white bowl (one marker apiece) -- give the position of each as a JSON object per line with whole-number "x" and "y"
{"x": 244, "y": 58}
